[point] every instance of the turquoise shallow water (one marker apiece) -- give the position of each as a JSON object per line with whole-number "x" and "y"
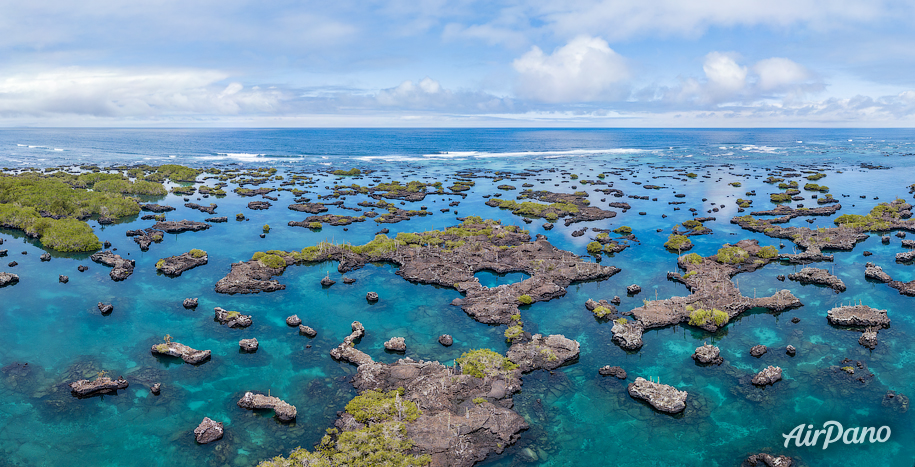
{"x": 577, "y": 417}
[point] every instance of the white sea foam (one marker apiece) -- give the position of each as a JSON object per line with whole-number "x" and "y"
{"x": 544, "y": 154}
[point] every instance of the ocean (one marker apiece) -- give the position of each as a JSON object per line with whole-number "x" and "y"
{"x": 577, "y": 417}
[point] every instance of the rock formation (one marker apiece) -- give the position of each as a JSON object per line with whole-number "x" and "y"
{"x": 768, "y": 375}
{"x": 708, "y": 355}
{"x": 857, "y": 316}
{"x": 174, "y": 349}
{"x": 100, "y": 385}
{"x": 121, "y": 268}
{"x": 233, "y": 319}
{"x": 208, "y": 431}
{"x": 546, "y": 353}
{"x": 661, "y": 396}
{"x": 818, "y": 276}
{"x": 284, "y": 412}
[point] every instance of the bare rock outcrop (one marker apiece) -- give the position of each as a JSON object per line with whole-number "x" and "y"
{"x": 768, "y": 375}
{"x": 627, "y": 334}
{"x": 662, "y": 397}
{"x": 614, "y": 371}
{"x": 767, "y": 460}
{"x": 396, "y": 344}
{"x": 100, "y": 385}
{"x": 174, "y": 349}
{"x": 347, "y": 351}
{"x": 250, "y": 277}
{"x": 758, "y": 350}
{"x": 233, "y": 319}
{"x": 285, "y": 412}
{"x": 858, "y": 316}
{"x": 708, "y": 355}
{"x": 7, "y": 278}
{"x": 818, "y": 276}
{"x": 121, "y": 268}
{"x": 180, "y": 226}
{"x": 175, "y": 265}
{"x": 546, "y": 353}
{"x": 208, "y": 431}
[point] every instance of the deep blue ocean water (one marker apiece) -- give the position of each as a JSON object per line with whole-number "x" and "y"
{"x": 577, "y": 417}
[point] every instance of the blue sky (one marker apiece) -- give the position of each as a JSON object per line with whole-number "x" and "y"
{"x": 581, "y": 63}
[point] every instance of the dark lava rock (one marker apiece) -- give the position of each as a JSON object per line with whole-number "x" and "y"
{"x": 156, "y": 208}
{"x": 156, "y": 389}
{"x": 372, "y": 296}
{"x": 284, "y": 412}
{"x": 208, "y": 431}
{"x": 547, "y": 353}
{"x": 250, "y": 277}
{"x": 767, "y": 460}
{"x": 612, "y": 371}
{"x": 327, "y": 281}
{"x": 548, "y": 226}
{"x": 627, "y": 334}
{"x": 900, "y": 234}
{"x": 248, "y": 345}
{"x": 63, "y": 279}
{"x": 397, "y": 344}
{"x": 780, "y": 277}
{"x": 708, "y": 355}
{"x": 121, "y": 268}
{"x": 867, "y": 253}
{"x": 233, "y": 319}
{"x": 45, "y": 257}
{"x": 101, "y": 385}
{"x": 758, "y": 351}
{"x": 12, "y": 264}
{"x": 768, "y": 375}
{"x": 885, "y": 239}
{"x": 616, "y": 300}
{"x": 145, "y": 237}
{"x": 217, "y": 220}
{"x": 175, "y": 349}
{"x": 869, "y": 338}
{"x": 105, "y": 308}
{"x": 4, "y": 253}
{"x": 858, "y": 315}
{"x": 211, "y": 209}
{"x": 348, "y": 280}
{"x": 662, "y": 397}
{"x": 818, "y": 276}
{"x": 259, "y": 205}
{"x": 446, "y": 340}
{"x": 107, "y": 244}
{"x": 790, "y": 350}
{"x": 633, "y": 289}
{"x": 307, "y": 331}
{"x": 190, "y": 303}
{"x": 175, "y": 265}
{"x": 795, "y": 320}
{"x": 293, "y": 321}
{"x": 180, "y": 226}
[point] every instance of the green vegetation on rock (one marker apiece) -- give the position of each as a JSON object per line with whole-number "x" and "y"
{"x": 269, "y": 259}
{"x": 197, "y": 253}
{"x": 484, "y": 362}
{"x": 767, "y": 252}
{"x": 677, "y": 242}
{"x": 525, "y": 299}
{"x": 700, "y": 317}
{"x": 350, "y": 172}
{"x": 594, "y": 248}
{"x": 376, "y": 406}
{"x": 732, "y": 255}
{"x": 780, "y": 197}
{"x": 601, "y": 311}
{"x": 623, "y": 230}
{"x": 692, "y": 258}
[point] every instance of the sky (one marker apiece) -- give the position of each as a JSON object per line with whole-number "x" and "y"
{"x": 458, "y": 63}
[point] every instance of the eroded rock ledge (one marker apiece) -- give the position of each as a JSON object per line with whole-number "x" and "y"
{"x": 448, "y": 258}
{"x": 858, "y": 316}
{"x": 709, "y": 280}
{"x": 662, "y": 397}
{"x": 174, "y": 349}
{"x": 818, "y": 276}
{"x": 546, "y": 353}
{"x": 180, "y": 226}
{"x": 121, "y": 268}
{"x": 874, "y": 272}
{"x": 175, "y": 265}
{"x": 101, "y": 385}
{"x": 285, "y": 412}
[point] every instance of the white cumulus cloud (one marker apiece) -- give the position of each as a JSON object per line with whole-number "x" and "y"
{"x": 777, "y": 72}
{"x": 724, "y": 75}
{"x": 584, "y": 70}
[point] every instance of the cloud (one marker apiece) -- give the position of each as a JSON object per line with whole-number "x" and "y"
{"x": 777, "y": 73}
{"x": 724, "y": 75}
{"x": 130, "y": 93}
{"x": 584, "y": 70}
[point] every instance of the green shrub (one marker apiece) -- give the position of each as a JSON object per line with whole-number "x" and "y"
{"x": 233, "y": 314}
{"x": 692, "y": 224}
{"x": 573, "y": 177}
{"x": 691, "y": 175}
{"x": 677, "y": 242}
{"x": 623, "y": 230}
{"x": 197, "y": 253}
{"x": 162, "y": 348}
{"x": 602, "y": 311}
{"x": 239, "y": 217}
{"x": 266, "y": 228}
{"x": 525, "y": 299}
{"x": 621, "y": 321}
{"x": 594, "y": 248}
{"x": 734, "y": 184}
{"x": 484, "y": 362}
{"x": 513, "y": 332}
{"x": 270, "y": 260}
{"x": 732, "y": 255}
{"x": 479, "y": 400}
{"x": 692, "y": 258}
{"x": 767, "y": 252}
{"x": 701, "y": 317}
{"x": 815, "y": 176}
{"x": 376, "y": 406}
{"x": 314, "y": 225}
{"x": 689, "y": 274}
{"x": 160, "y": 264}
{"x": 815, "y": 187}
{"x": 350, "y": 172}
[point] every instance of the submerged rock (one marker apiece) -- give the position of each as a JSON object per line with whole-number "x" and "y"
{"x": 397, "y": 344}
{"x": 546, "y": 353}
{"x": 896, "y": 401}
{"x": 708, "y": 355}
{"x": 248, "y": 345}
{"x": 233, "y": 319}
{"x": 661, "y": 396}
{"x": 858, "y": 315}
{"x": 82, "y": 268}
{"x": 790, "y": 350}
{"x": 285, "y": 412}
{"x": 101, "y": 385}
{"x": 175, "y": 349}
{"x": 156, "y": 389}
{"x": 446, "y": 340}
{"x": 767, "y": 460}
{"x": 208, "y": 431}
{"x": 768, "y": 375}
{"x": 348, "y": 280}
{"x": 615, "y": 371}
